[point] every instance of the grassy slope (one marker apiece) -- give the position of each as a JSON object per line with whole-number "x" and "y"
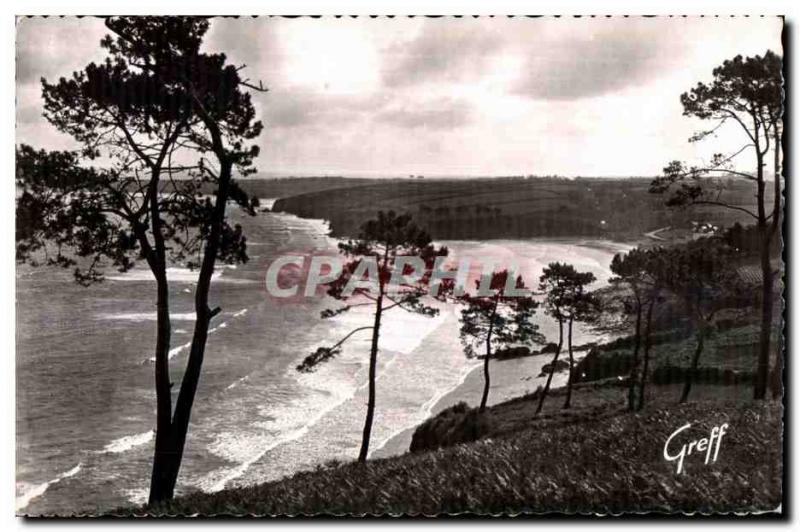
{"x": 596, "y": 458}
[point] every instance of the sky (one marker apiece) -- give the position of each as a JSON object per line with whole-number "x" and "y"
{"x": 446, "y": 96}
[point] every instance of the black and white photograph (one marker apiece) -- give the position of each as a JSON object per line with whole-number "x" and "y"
{"x": 359, "y": 266}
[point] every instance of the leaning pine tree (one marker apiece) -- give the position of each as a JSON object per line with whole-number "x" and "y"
{"x": 154, "y": 110}
{"x": 226, "y": 121}
{"x": 497, "y": 316}
{"x": 389, "y": 268}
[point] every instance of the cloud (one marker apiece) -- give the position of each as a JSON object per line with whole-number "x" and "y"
{"x": 291, "y": 109}
{"x": 29, "y": 113}
{"x": 598, "y": 56}
{"x": 444, "y": 114}
{"x": 445, "y": 49}
{"x": 519, "y": 95}
{"x": 248, "y": 41}
{"x": 554, "y": 59}
{"x": 52, "y": 47}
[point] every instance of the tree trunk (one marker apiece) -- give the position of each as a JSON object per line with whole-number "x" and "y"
{"x": 373, "y": 362}
{"x": 486, "y": 379}
{"x": 692, "y": 370}
{"x": 635, "y": 363}
{"x": 203, "y": 316}
{"x": 571, "y": 365}
{"x": 552, "y": 368}
{"x": 776, "y": 207}
{"x": 159, "y": 479}
{"x": 775, "y": 232}
{"x": 486, "y": 382}
{"x": 156, "y": 259}
{"x": 762, "y": 365}
{"x": 647, "y": 345}
{"x": 777, "y": 372}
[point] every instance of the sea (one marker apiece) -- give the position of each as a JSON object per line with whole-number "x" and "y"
{"x": 85, "y": 400}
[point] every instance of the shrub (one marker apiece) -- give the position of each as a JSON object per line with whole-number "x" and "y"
{"x": 512, "y": 352}
{"x": 549, "y": 348}
{"x": 600, "y": 364}
{"x": 457, "y": 424}
{"x": 560, "y": 366}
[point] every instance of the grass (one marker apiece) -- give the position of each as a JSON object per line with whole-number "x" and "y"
{"x": 595, "y": 458}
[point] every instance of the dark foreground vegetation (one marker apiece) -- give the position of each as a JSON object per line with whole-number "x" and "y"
{"x": 524, "y": 463}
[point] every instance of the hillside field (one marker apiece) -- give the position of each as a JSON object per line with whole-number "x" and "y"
{"x": 491, "y": 208}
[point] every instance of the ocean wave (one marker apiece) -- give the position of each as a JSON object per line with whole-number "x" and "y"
{"x": 317, "y": 229}
{"x": 267, "y": 202}
{"x": 125, "y": 443}
{"x": 237, "y": 382}
{"x": 284, "y": 424}
{"x": 152, "y": 316}
{"x": 175, "y": 351}
{"x": 137, "y": 496}
{"x": 145, "y": 316}
{"x": 180, "y": 275}
{"x": 38, "y": 490}
{"x": 327, "y": 389}
{"x": 222, "y": 325}
{"x": 217, "y": 480}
